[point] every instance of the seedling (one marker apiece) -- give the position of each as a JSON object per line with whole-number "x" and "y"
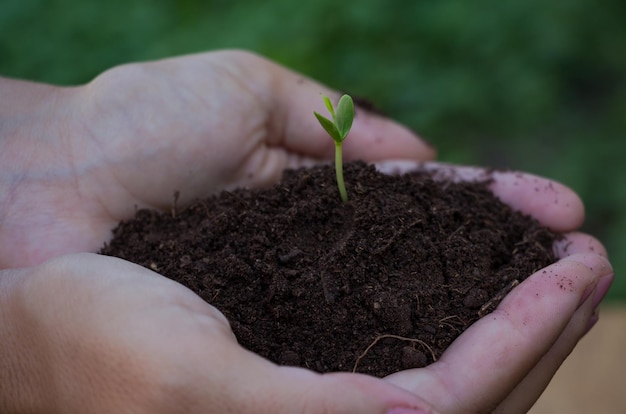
{"x": 338, "y": 129}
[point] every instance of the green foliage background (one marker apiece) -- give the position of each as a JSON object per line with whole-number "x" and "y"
{"x": 532, "y": 85}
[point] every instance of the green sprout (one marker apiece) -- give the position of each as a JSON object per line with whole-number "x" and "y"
{"x": 338, "y": 129}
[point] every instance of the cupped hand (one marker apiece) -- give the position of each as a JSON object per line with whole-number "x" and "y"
{"x": 505, "y": 360}
{"x": 75, "y": 161}
{"x": 93, "y": 334}
{"x": 98, "y": 331}
{"x": 113, "y": 335}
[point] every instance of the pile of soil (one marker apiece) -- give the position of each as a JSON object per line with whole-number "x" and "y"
{"x": 383, "y": 283}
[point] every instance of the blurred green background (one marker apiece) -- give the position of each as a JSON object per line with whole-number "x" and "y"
{"x": 532, "y": 85}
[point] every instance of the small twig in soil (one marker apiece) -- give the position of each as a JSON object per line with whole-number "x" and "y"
{"x": 341, "y": 244}
{"x": 397, "y": 234}
{"x": 175, "y": 203}
{"x": 458, "y": 230}
{"x": 401, "y": 338}
{"x": 488, "y": 307}
{"x": 445, "y": 320}
{"x": 329, "y": 296}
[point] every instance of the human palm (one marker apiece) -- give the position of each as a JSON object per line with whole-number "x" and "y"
{"x": 140, "y": 134}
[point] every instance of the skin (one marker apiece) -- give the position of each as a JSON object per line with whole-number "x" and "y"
{"x": 89, "y": 334}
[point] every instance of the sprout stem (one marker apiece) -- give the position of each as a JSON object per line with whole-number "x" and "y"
{"x": 338, "y": 129}
{"x": 339, "y": 172}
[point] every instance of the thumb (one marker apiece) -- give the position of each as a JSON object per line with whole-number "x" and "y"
{"x": 372, "y": 138}
{"x": 288, "y": 390}
{"x": 293, "y": 99}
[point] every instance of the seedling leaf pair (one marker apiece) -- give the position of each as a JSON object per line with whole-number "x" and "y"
{"x": 338, "y": 129}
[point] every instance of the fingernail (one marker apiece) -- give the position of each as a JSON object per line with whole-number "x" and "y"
{"x": 407, "y": 410}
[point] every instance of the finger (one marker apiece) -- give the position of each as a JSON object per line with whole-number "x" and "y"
{"x": 532, "y": 386}
{"x": 294, "y": 98}
{"x": 499, "y": 350}
{"x": 249, "y": 384}
{"x": 552, "y": 204}
{"x": 526, "y": 393}
{"x": 576, "y": 242}
{"x": 349, "y": 393}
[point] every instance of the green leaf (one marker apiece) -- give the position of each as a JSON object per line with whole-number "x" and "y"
{"x": 345, "y": 116}
{"x": 329, "y": 126}
{"x": 329, "y": 106}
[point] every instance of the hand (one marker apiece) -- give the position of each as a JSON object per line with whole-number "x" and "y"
{"x": 82, "y": 159}
{"x": 504, "y": 361}
{"x": 103, "y": 326}
{"x": 107, "y": 336}
{"x": 82, "y": 183}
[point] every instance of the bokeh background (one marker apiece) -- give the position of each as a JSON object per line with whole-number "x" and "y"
{"x": 524, "y": 84}
{"x": 532, "y": 85}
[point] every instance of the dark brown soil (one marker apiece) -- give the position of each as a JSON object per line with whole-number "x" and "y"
{"x": 383, "y": 283}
